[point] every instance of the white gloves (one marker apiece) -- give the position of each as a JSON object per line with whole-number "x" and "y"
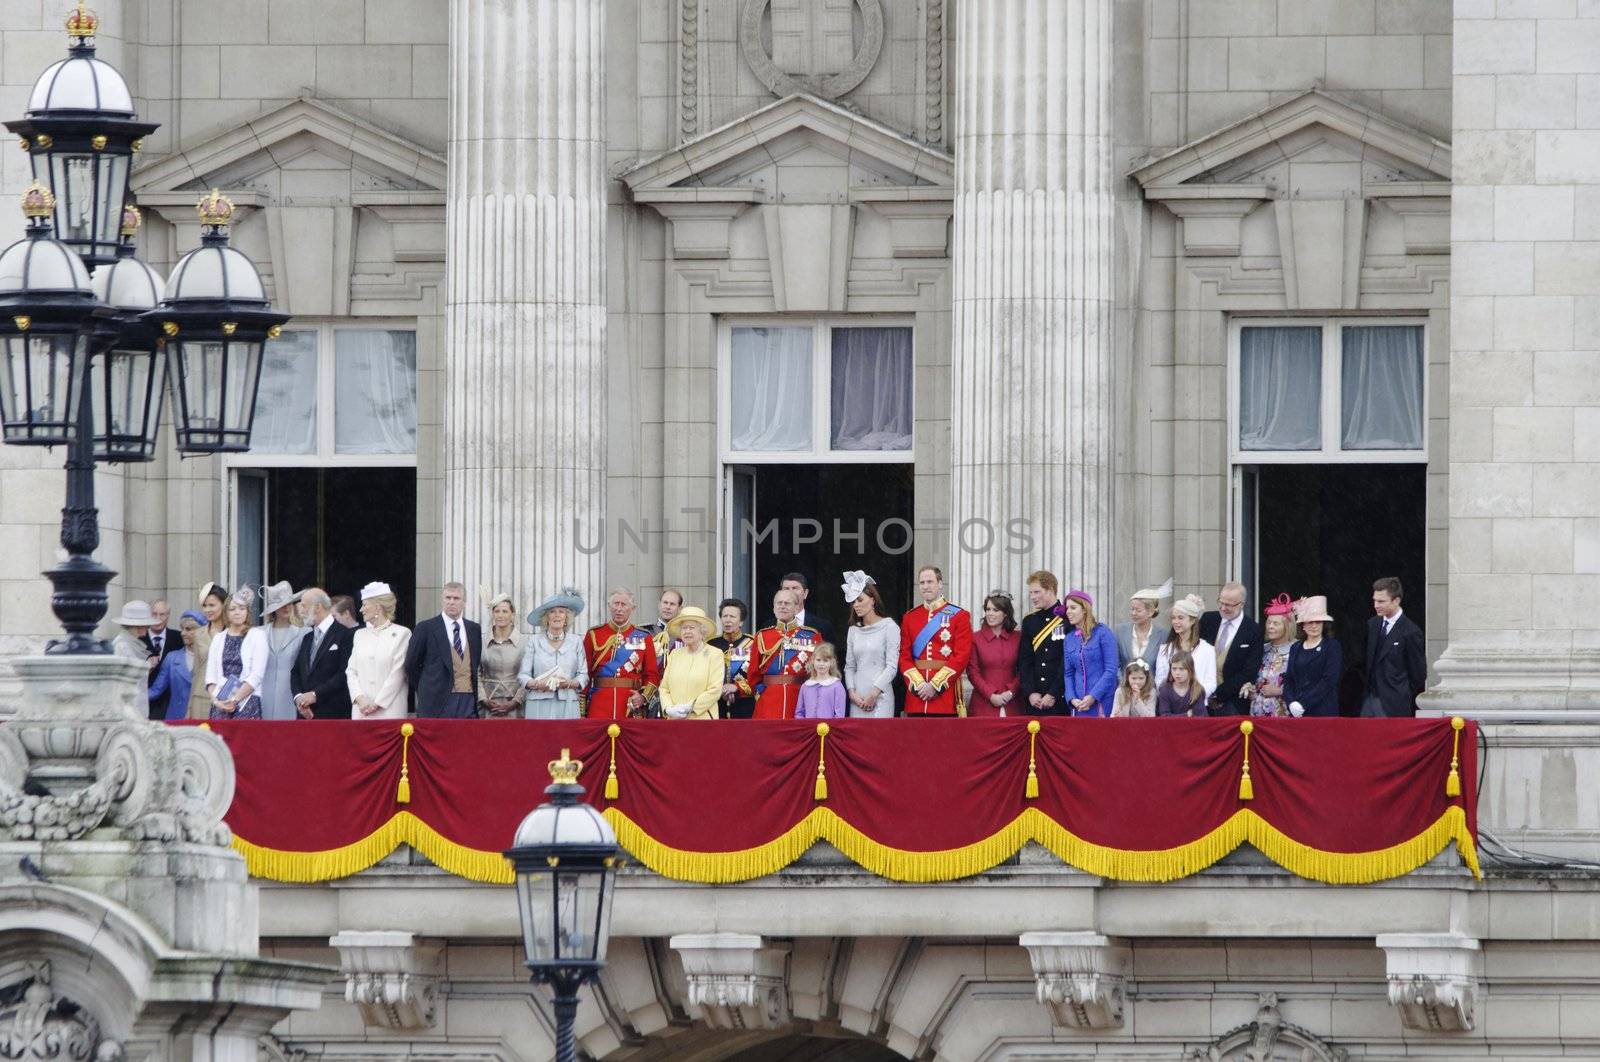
{"x": 1296, "y": 709}
{"x": 677, "y": 711}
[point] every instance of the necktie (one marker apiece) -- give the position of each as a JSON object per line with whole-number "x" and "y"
{"x": 455, "y": 638}
{"x": 1387, "y": 623}
{"x": 316, "y": 642}
{"x": 1224, "y": 640}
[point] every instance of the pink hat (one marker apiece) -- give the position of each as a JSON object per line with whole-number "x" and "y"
{"x": 1081, "y": 596}
{"x": 1312, "y": 610}
{"x": 1279, "y": 606}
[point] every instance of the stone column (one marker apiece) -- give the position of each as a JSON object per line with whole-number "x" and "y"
{"x": 1524, "y": 341}
{"x": 1032, "y": 344}
{"x": 524, "y": 422}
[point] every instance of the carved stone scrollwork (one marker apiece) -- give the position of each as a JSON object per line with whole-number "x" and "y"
{"x": 1433, "y": 979}
{"x": 736, "y": 980}
{"x": 816, "y": 73}
{"x": 36, "y": 1025}
{"x": 1267, "y": 1039}
{"x": 1079, "y": 976}
{"x": 392, "y": 976}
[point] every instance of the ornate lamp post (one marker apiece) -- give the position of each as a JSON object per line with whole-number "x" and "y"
{"x": 565, "y": 858}
{"x": 85, "y": 364}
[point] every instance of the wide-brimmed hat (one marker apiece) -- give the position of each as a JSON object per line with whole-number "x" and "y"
{"x": 690, "y": 614}
{"x": 135, "y": 614}
{"x": 1312, "y": 610}
{"x": 567, "y": 598}
{"x": 276, "y": 596}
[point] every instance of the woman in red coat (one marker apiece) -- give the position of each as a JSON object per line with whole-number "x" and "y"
{"x": 993, "y": 668}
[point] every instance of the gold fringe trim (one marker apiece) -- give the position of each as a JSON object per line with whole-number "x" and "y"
{"x": 1333, "y": 868}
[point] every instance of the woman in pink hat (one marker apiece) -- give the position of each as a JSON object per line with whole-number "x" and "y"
{"x": 1265, "y": 694}
{"x": 1311, "y": 684}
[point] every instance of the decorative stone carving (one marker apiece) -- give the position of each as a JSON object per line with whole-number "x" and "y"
{"x": 1433, "y": 979}
{"x": 36, "y": 1024}
{"x": 933, "y": 74}
{"x": 736, "y": 980}
{"x": 1267, "y": 1039}
{"x": 802, "y": 32}
{"x": 1079, "y": 977}
{"x": 392, "y": 976}
{"x": 688, "y": 67}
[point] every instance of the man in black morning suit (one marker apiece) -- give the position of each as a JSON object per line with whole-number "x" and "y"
{"x": 1044, "y": 633}
{"x": 1237, "y": 640}
{"x": 1397, "y": 660}
{"x": 317, "y": 678}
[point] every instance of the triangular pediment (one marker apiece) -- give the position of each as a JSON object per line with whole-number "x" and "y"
{"x": 302, "y": 137}
{"x": 1314, "y": 139}
{"x": 797, "y": 148}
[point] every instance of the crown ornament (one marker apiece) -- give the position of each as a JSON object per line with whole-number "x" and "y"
{"x": 131, "y": 220}
{"x": 215, "y": 209}
{"x": 82, "y": 23}
{"x": 38, "y": 201}
{"x": 565, "y": 771}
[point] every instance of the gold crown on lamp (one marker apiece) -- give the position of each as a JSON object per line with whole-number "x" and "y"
{"x": 82, "y": 23}
{"x": 565, "y": 771}
{"x": 214, "y": 208}
{"x": 38, "y": 201}
{"x": 131, "y": 220}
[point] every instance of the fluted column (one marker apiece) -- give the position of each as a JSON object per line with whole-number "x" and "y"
{"x": 524, "y": 462}
{"x": 1032, "y": 345}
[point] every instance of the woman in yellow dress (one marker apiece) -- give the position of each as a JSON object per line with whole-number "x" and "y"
{"x": 692, "y": 683}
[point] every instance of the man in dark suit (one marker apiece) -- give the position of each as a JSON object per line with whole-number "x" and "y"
{"x": 316, "y": 678}
{"x": 807, "y": 617}
{"x": 442, "y": 661}
{"x": 1237, "y": 640}
{"x": 1039, "y": 653}
{"x": 161, "y": 640}
{"x": 1397, "y": 661}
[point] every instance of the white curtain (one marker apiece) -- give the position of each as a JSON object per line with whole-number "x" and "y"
{"x": 375, "y": 392}
{"x": 1280, "y": 389}
{"x": 770, "y": 404}
{"x": 872, "y": 384}
{"x": 1381, "y": 389}
{"x": 286, "y": 404}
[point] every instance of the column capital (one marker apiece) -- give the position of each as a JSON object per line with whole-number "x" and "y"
{"x": 1433, "y": 979}
{"x": 1079, "y": 976}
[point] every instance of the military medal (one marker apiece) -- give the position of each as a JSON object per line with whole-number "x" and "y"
{"x": 944, "y": 635}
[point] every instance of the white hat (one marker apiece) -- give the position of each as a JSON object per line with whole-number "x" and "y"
{"x": 136, "y": 614}
{"x": 1161, "y": 593}
{"x": 855, "y": 584}
{"x": 277, "y": 596}
{"x": 1192, "y": 606}
{"x": 372, "y": 590}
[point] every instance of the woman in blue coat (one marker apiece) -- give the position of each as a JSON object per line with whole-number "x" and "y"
{"x": 176, "y": 673}
{"x": 1311, "y": 682}
{"x": 1088, "y": 659}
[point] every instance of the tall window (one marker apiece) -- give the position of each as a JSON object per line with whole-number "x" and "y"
{"x": 333, "y": 392}
{"x": 1328, "y": 391}
{"x": 817, "y": 391}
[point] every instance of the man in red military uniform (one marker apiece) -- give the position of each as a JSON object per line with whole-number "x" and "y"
{"x": 778, "y": 659}
{"x": 935, "y": 642}
{"x": 623, "y": 670}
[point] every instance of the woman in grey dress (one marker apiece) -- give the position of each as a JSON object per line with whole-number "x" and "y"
{"x": 872, "y": 653}
{"x": 500, "y": 693}
{"x": 553, "y": 670}
{"x": 283, "y": 645}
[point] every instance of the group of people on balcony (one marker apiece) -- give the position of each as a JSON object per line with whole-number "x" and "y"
{"x": 312, "y": 659}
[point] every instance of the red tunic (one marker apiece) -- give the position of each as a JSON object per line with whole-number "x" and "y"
{"x": 942, "y": 660}
{"x": 622, "y": 660}
{"x": 994, "y": 670}
{"x": 778, "y": 658}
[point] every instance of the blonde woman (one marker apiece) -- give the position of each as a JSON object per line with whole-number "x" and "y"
{"x": 376, "y": 672}
{"x": 691, "y": 686}
{"x": 553, "y": 671}
{"x": 1184, "y": 637}
{"x": 237, "y": 664}
{"x": 500, "y": 695}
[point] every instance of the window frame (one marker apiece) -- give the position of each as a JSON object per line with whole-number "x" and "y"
{"x": 821, "y": 451}
{"x": 1332, "y": 450}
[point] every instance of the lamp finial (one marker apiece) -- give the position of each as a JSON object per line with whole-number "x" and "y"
{"x": 215, "y": 209}
{"x": 82, "y": 23}
{"x": 565, "y": 771}
{"x": 38, "y": 201}
{"x": 131, "y": 220}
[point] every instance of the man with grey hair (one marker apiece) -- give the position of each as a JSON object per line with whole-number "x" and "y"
{"x": 1237, "y": 640}
{"x": 442, "y": 660}
{"x": 162, "y": 641}
{"x": 317, "y": 676}
{"x": 623, "y": 668}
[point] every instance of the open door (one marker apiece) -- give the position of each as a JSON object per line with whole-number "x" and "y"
{"x": 250, "y": 528}
{"x": 739, "y": 503}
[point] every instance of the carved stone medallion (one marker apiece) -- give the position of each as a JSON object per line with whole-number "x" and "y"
{"x": 816, "y": 45}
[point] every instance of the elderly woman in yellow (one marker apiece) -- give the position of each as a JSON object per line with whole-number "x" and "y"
{"x": 692, "y": 683}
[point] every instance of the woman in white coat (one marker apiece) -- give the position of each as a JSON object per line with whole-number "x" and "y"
{"x": 1185, "y": 637}
{"x": 377, "y": 668}
{"x": 236, "y": 666}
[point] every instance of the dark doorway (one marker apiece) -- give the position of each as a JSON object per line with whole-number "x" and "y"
{"x": 341, "y": 528}
{"x": 1332, "y": 530}
{"x": 825, "y": 520}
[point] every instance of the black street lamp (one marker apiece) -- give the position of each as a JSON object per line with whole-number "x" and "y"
{"x": 565, "y": 858}
{"x": 83, "y": 363}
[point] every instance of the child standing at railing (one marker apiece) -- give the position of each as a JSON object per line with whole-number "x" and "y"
{"x": 822, "y": 696}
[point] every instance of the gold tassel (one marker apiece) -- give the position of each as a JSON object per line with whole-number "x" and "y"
{"x": 1247, "y": 791}
{"x": 1452, "y": 783}
{"x": 1031, "y": 791}
{"x": 611, "y": 776}
{"x": 403, "y": 795}
{"x": 821, "y": 791}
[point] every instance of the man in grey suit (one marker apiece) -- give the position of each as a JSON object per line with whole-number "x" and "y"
{"x": 1142, "y": 631}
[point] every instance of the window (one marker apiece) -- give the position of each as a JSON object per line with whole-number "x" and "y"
{"x": 821, "y": 390}
{"x": 1343, "y": 391}
{"x": 333, "y": 392}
